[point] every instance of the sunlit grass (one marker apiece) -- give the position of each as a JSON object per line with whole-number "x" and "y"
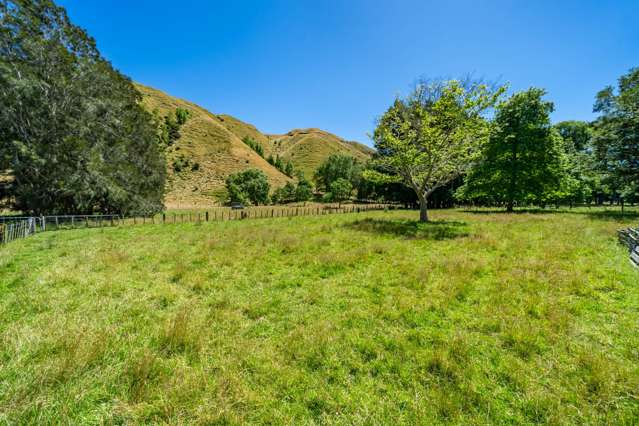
{"x": 370, "y": 318}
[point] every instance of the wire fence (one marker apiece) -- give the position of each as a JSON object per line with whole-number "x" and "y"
{"x": 17, "y": 227}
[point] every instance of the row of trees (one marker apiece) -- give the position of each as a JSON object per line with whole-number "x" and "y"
{"x": 465, "y": 138}
{"x": 465, "y": 141}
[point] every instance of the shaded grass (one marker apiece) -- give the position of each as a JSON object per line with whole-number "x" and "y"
{"x": 345, "y": 319}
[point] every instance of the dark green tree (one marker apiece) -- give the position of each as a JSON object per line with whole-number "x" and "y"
{"x": 304, "y": 189}
{"x": 73, "y": 133}
{"x": 336, "y": 166}
{"x": 340, "y": 190}
{"x": 248, "y": 187}
{"x": 583, "y": 180}
{"x": 616, "y": 134}
{"x": 289, "y": 169}
{"x": 523, "y": 160}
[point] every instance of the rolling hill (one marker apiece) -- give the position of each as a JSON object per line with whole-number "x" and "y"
{"x": 210, "y": 148}
{"x": 308, "y": 148}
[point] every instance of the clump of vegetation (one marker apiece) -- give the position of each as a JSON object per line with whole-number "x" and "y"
{"x": 182, "y": 163}
{"x": 338, "y": 166}
{"x": 284, "y": 167}
{"x": 248, "y": 187}
{"x": 254, "y": 145}
{"x": 169, "y": 127}
{"x": 339, "y": 191}
{"x": 291, "y": 192}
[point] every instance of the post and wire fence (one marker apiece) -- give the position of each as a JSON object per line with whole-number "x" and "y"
{"x": 18, "y": 227}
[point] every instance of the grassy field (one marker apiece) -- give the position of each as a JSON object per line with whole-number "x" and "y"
{"x": 476, "y": 318}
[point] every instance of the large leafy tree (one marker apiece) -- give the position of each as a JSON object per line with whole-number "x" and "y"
{"x": 616, "y": 133}
{"x": 73, "y": 135}
{"x": 431, "y": 138}
{"x": 524, "y": 157}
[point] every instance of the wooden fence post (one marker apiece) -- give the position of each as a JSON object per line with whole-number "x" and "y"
{"x": 207, "y": 215}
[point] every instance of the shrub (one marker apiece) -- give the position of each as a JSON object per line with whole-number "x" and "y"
{"x": 249, "y": 186}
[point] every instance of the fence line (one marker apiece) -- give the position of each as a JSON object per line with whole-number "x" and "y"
{"x": 16, "y": 227}
{"x": 630, "y": 238}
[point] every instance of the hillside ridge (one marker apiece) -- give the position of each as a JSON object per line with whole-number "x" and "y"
{"x": 211, "y": 147}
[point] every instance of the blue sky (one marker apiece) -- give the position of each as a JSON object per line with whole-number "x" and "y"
{"x": 337, "y": 65}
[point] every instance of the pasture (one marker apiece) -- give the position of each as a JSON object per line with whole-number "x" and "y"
{"x": 372, "y": 318}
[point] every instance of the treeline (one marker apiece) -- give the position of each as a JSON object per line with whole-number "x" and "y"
{"x": 74, "y": 137}
{"x": 463, "y": 141}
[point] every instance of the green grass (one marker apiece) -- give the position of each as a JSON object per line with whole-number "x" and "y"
{"x": 476, "y": 318}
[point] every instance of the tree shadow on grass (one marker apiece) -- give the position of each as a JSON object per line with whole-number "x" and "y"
{"x": 594, "y": 213}
{"x": 410, "y": 229}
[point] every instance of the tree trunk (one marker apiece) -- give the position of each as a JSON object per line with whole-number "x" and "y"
{"x": 423, "y": 209}
{"x": 510, "y": 206}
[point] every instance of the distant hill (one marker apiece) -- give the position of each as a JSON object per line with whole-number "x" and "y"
{"x": 308, "y": 148}
{"x": 211, "y": 147}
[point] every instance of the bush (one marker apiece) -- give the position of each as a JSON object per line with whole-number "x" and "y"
{"x": 254, "y": 145}
{"x": 249, "y": 186}
{"x": 340, "y": 190}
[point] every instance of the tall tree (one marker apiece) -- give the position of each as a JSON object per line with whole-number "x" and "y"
{"x": 524, "y": 158}
{"x": 616, "y": 133}
{"x": 432, "y": 137}
{"x": 73, "y": 134}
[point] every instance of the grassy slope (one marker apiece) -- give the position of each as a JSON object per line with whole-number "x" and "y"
{"x": 308, "y": 148}
{"x": 215, "y": 146}
{"x": 346, "y": 319}
{"x": 215, "y": 143}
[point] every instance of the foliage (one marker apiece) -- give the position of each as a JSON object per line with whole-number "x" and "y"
{"x": 583, "y": 180}
{"x": 616, "y": 133}
{"x": 304, "y": 188}
{"x": 254, "y": 145}
{"x": 181, "y": 116}
{"x": 285, "y": 167}
{"x": 248, "y": 187}
{"x": 523, "y": 160}
{"x": 340, "y": 190}
{"x": 72, "y": 130}
{"x": 472, "y": 319}
{"x": 181, "y": 163}
{"x": 337, "y": 166}
{"x": 284, "y": 194}
{"x": 432, "y": 137}
{"x": 302, "y": 191}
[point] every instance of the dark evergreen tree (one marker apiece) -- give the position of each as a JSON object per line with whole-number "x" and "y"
{"x": 523, "y": 160}
{"x": 73, "y": 134}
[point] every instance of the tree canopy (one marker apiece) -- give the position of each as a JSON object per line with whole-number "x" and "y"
{"x": 616, "y": 133}
{"x": 248, "y": 187}
{"x": 523, "y": 159}
{"x": 337, "y": 166}
{"x": 73, "y": 135}
{"x": 432, "y": 137}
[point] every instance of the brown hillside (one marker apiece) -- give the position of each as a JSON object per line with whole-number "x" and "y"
{"x": 308, "y": 148}
{"x": 214, "y": 143}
